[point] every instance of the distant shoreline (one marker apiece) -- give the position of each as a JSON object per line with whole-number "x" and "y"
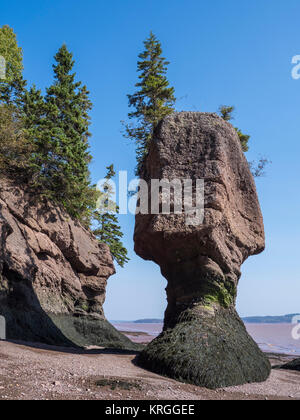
{"x": 281, "y": 319}
{"x": 271, "y": 337}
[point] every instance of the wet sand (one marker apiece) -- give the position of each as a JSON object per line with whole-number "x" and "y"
{"x": 39, "y": 372}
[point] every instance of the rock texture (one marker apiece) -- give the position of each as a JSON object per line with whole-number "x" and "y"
{"x": 204, "y": 341}
{"x": 53, "y": 275}
{"x": 293, "y": 365}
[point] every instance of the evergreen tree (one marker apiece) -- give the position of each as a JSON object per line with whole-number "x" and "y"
{"x": 44, "y": 142}
{"x": 33, "y": 108}
{"x": 153, "y": 100}
{"x": 257, "y": 168}
{"x": 226, "y": 114}
{"x": 244, "y": 139}
{"x": 64, "y": 150}
{"x": 108, "y": 230}
{"x": 15, "y": 147}
{"x": 13, "y": 85}
{"x": 35, "y": 127}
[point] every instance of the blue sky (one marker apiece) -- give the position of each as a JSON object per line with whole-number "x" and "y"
{"x": 234, "y": 52}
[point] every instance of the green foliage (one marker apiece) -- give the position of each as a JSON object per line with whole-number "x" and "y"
{"x": 226, "y": 114}
{"x": 153, "y": 100}
{"x": 12, "y": 87}
{"x": 44, "y": 141}
{"x": 58, "y": 128}
{"x": 257, "y": 168}
{"x": 244, "y": 139}
{"x": 67, "y": 124}
{"x": 15, "y": 147}
{"x": 108, "y": 230}
{"x": 33, "y": 118}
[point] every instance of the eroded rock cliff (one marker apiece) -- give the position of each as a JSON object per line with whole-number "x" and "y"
{"x": 204, "y": 341}
{"x": 53, "y": 275}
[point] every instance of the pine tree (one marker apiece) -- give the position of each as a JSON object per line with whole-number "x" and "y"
{"x": 153, "y": 100}
{"x": 13, "y": 85}
{"x": 244, "y": 139}
{"x": 226, "y": 114}
{"x": 15, "y": 147}
{"x": 108, "y": 230}
{"x": 64, "y": 150}
{"x": 33, "y": 117}
{"x": 257, "y": 168}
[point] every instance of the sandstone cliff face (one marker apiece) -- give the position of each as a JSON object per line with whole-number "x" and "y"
{"x": 53, "y": 275}
{"x": 202, "y": 263}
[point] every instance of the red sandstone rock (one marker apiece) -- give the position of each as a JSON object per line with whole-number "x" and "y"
{"x": 53, "y": 274}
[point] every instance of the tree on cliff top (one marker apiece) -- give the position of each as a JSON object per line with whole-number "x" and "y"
{"x": 226, "y": 114}
{"x": 44, "y": 141}
{"x": 12, "y": 85}
{"x": 257, "y": 169}
{"x": 153, "y": 100}
{"x": 108, "y": 230}
{"x": 15, "y": 147}
{"x": 63, "y": 150}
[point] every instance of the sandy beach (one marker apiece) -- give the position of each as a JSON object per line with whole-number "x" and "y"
{"x": 39, "y": 372}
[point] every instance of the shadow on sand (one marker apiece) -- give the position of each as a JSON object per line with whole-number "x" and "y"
{"x": 71, "y": 350}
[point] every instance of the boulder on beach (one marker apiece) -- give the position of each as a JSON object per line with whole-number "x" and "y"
{"x": 293, "y": 365}
{"x": 53, "y": 275}
{"x": 204, "y": 342}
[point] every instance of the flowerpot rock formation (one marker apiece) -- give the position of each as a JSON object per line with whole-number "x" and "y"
{"x": 204, "y": 341}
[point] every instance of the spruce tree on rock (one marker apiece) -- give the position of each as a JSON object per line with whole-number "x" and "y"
{"x": 108, "y": 230}
{"x": 257, "y": 168}
{"x": 66, "y": 167}
{"x": 33, "y": 118}
{"x": 153, "y": 100}
{"x": 226, "y": 114}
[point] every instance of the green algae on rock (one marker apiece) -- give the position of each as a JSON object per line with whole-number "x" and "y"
{"x": 210, "y": 348}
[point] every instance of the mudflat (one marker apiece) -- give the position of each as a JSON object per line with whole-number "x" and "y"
{"x": 40, "y": 372}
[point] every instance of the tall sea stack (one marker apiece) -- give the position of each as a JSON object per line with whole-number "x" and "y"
{"x": 204, "y": 341}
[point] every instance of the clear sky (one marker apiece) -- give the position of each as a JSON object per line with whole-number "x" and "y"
{"x": 221, "y": 52}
